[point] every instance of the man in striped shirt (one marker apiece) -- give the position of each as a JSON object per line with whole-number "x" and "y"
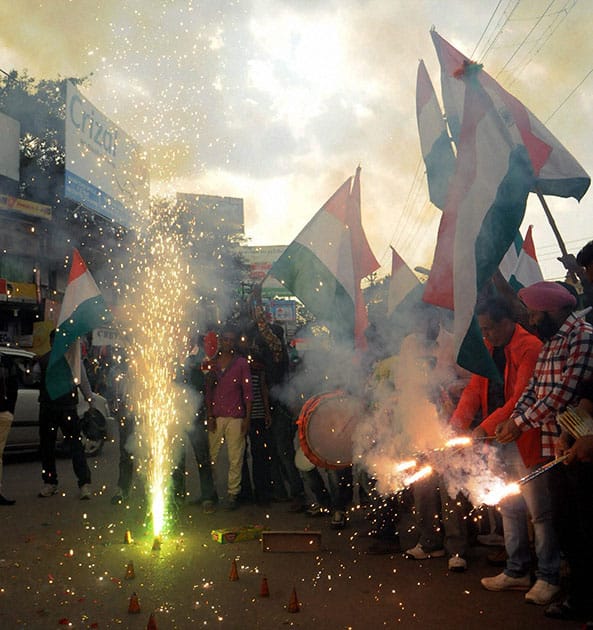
{"x": 565, "y": 360}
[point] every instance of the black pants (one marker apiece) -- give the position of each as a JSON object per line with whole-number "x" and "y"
{"x": 573, "y": 508}
{"x": 54, "y": 417}
{"x": 126, "y": 422}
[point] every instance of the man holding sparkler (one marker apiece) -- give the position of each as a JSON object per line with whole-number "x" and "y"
{"x": 514, "y": 352}
{"x": 565, "y": 360}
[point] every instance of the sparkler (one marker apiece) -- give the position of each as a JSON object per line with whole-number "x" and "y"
{"x": 576, "y": 421}
{"x": 424, "y": 472}
{"x": 541, "y": 470}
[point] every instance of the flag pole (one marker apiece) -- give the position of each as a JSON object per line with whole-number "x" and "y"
{"x": 554, "y": 227}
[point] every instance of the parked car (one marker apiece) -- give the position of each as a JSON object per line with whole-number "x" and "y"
{"x": 24, "y": 432}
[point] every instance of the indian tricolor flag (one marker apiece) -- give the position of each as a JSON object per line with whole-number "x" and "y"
{"x": 325, "y": 263}
{"x": 556, "y": 171}
{"x": 485, "y": 207}
{"x": 527, "y": 271}
{"x": 402, "y": 281}
{"x": 435, "y": 142}
{"x": 83, "y": 310}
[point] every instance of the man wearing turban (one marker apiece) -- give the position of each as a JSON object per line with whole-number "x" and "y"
{"x": 565, "y": 360}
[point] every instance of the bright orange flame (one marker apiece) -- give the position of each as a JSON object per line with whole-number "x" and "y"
{"x": 405, "y": 465}
{"x": 458, "y": 441}
{"x": 421, "y": 474}
{"x": 495, "y": 496}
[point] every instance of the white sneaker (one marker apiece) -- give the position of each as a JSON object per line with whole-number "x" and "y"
{"x": 418, "y": 553}
{"x": 457, "y": 564}
{"x": 504, "y": 582}
{"x": 85, "y": 492}
{"x": 542, "y": 593}
{"x": 48, "y": 490}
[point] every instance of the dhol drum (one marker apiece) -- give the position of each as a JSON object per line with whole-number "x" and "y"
{"x": 326, "y": 427}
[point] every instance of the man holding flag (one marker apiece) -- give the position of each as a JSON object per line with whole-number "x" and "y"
{"x": 83, "y": 309}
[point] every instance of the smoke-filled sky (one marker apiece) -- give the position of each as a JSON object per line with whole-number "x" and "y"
{"x": 278, "y": 101}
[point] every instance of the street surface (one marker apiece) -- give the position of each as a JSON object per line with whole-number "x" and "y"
{"x": 63, "y": 563}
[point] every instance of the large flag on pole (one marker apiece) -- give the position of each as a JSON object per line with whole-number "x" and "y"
{"x": 402, "y": 281}
{"x": 83, "y": 310}
{"x": 484, "y": 209}
{"x": 325, "y": 263}
{"x": 364, "y": 262}
{"x": 527, "y": 270}
{"x": 556, "y": 171}
{"x": 435, "y": 142}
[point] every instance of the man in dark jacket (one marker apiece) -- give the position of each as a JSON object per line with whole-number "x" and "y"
{"x": 61, "y": 414}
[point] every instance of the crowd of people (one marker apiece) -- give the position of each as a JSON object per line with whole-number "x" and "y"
{"x": 247, "y": 397}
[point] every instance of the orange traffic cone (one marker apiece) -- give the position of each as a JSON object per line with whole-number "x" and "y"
{"x": 293, "y": 603}
{"x": 264, "y": 591}
{"x": 134, "y": 606}
{"x": 130, "y": 575}
{"x": 156, "y": 545}
{"x": 128, "y": 537}
{"x": 234, "y": 574}
{"x": 151, "y": 622}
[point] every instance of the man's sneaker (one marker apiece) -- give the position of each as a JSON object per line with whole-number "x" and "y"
{"x": 457, "y": 564}
{"x": 504, "y": 582}
{"x": 338, "y": 520}
{"x": 85, "y": 492}
{"x": 208, "y": 507}
{"x": 418, "y": 553}
{"x": 231, "y": 504}
{"x": 542, "y": 593}
{"x": 48, "y": 490}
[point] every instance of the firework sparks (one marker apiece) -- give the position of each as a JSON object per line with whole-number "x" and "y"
{"x": 424, "y": 472}
{"x": 155, "y": 310}
{"x": 405, "y": 465}
{"x": 458, "y": 441}
{"x": 500, "y": 491}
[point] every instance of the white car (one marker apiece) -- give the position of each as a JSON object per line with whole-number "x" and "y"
{"x": 24, "y": 432}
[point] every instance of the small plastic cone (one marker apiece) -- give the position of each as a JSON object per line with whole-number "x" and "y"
{"x": 151, "y": 623}
{"x": 134, "y": 606}
{"x": 128, "y": 537}
{"x": 156, "y": 545}
{"x": 130, "y": 575}
{"x": 234, "y": 574}
{"x": 293, "y": 603}
{"x": 264, "y": 591}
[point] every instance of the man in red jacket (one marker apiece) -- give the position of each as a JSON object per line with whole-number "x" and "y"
{"x": 514, "y": 352}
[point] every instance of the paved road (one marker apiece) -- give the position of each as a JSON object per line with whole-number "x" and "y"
{"x": 63, "y": 564}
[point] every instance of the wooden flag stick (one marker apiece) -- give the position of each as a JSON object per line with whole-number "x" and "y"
{"x": 554, "y": 227}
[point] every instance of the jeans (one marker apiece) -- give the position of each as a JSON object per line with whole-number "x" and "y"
{"x": 52, "y": 417}
{"x": 441, "y": 519}
{"x": 283, "y": 469}
{"x": 336, "y": 495}
{"x": 536, "y": 500}
{"x": 198, "y": 438}
{"x": 126, "y": 423}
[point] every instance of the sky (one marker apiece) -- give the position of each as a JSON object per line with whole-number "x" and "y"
{"x": 278, "y": 101}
